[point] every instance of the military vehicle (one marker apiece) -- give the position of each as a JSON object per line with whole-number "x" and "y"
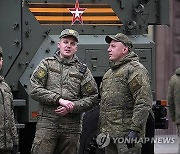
{"x": 29, "y": 32}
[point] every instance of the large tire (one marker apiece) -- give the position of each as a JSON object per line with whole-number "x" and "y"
{"x": 90, "y": 121}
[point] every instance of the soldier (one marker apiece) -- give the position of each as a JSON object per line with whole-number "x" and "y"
{"x": 126, "y": 98}
{"x": 8, "y": 131}
{"x": 173, "y": 98}
{"x": 64, "y": 88}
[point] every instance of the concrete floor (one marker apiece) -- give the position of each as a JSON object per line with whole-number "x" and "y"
{"x": 166, "y": 144}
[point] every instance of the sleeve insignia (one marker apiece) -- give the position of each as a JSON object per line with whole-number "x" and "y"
{"x": 89, "y": 87}
{"x": 41, "y": 73}
{"x": 134, "y": 84}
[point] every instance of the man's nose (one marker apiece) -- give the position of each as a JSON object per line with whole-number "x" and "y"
{"x": 109, "y": 49}
{"x": 68, "y": 44}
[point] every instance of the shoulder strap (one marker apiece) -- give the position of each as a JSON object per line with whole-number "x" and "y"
{"x": 82, "y": 68}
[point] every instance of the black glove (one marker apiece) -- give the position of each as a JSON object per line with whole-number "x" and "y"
{"x": 92, "y": 146}
{"x": 15, "y": 149}
{"x": 132, "y": 138}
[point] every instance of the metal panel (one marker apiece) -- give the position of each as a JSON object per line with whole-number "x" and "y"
{"x": 10, "y": 32}
{"x": 19, "y": 102}
{"x": 140, "y": 13}
{"x": 164, "y": 12}
{"x": 98, "y": 62}
{"x": 46, "y": 49}
{"x": 145, "y": 56}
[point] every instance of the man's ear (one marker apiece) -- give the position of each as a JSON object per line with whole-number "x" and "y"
{"x": 58, "y": 44}
{"x": 126, "y": 49}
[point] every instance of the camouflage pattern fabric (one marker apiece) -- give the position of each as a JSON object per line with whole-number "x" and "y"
{"x": 120, "y": 37}
{"x": 69, "y": 32}
{"x": 178, "y": 133}
{"x": 56, "y": 78}
{"x": 50, "y": 141}
{"x": 122, "y": 149}
{"x": 8, "y": 131}
{"x": 173, "y": 97}
{"x": 69, "y": 144}
{"x": 126, "y": 98}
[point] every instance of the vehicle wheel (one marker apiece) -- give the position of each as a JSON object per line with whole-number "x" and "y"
{"x": 88, "y": 137}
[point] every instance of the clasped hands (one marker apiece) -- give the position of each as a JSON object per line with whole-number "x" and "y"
{"x": 65, "y": 107}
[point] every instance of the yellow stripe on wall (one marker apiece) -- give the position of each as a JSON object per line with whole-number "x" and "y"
{"x": 65, "y": 10}
{"x": 69, "y": 18}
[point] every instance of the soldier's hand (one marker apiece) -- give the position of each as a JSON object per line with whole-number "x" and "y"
{"x": 132, "y": 138}
{"x": 92, "y": 146}
{"x": 67, "y": 104}
{"x": 62, "y": 111}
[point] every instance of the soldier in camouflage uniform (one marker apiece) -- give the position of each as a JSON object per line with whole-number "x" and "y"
{"x": 173, "y": 98}
{"x": 64, "y": 88}
{"x": 126, "y": 97}
{"x": 8, "y": 131}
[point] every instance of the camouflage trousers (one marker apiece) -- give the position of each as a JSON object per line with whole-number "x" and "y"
{"x": 178, "y": 133}
{"x": 121, "y": 148}
{"x": 48, "y": 141}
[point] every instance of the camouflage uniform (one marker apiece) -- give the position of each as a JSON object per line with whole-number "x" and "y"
{"x": 125, "y": 101}
{"x": 56, "y": 78}
{"x": 8, "y": 131}
{"x": 173, "y": 98}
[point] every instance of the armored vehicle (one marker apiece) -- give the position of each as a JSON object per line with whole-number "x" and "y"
{"x": 29, "y": 32}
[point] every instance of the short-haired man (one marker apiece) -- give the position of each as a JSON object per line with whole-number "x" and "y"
{"x": 64, "y": 88}
{"x": 126, "y": 98}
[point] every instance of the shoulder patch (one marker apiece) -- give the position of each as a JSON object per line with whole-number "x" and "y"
{"x": 134, "y": 84}
{"x": 40, "y": 73}
{"x": 89, "y": 87}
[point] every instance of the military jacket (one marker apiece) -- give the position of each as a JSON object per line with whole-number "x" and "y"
{"x": 173, "y": 97}
{"x": 126, "y": 97}
{"x": 8, "y": 131}
{"x": 56, "y": 78}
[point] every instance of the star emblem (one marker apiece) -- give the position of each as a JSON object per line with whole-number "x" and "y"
{"x": 77, "y": 13}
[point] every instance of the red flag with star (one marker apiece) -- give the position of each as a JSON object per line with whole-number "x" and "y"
{"x": 77, "y": 13}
